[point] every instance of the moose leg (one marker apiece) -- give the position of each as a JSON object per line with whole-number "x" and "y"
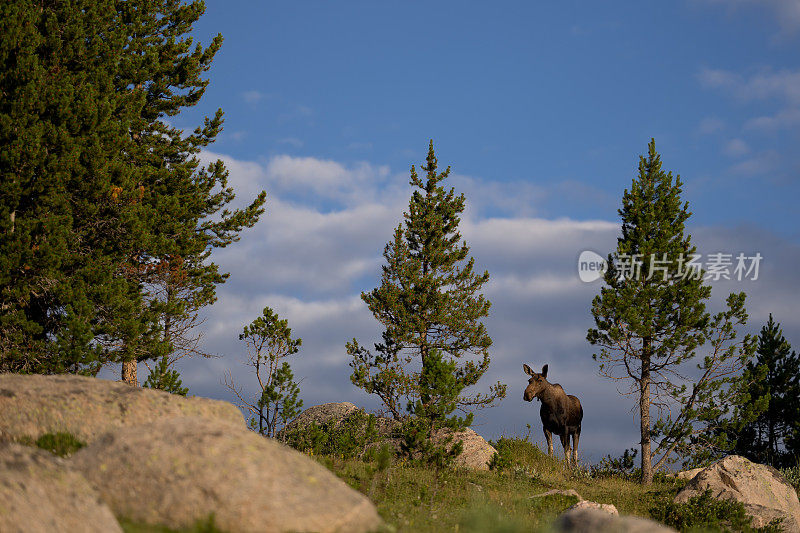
{"x": 575, "y": 437}
{"x": 565, "y": 444}
{"x": 549, "y": 438}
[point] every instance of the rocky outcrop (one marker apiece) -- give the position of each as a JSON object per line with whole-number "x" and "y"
{"x": 766, "y": 495}
{"x": 476, "y": 452}
{"x": 32, "y": 405}
{"x": 40, "y": 493}
{"x": 176, "y": 472}
{"x": 558, "y": 492}
{"x": 689, "y": 474}
{"x": 590, "y": 520}
{"x": 607, "y": 508}
{"x": 322, "y": 414}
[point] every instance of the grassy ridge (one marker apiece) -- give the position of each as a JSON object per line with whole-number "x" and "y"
{"x": 412, "y": 498}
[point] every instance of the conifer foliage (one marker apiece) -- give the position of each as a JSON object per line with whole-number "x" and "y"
{"x": 651, "y": 317}
{"x": 107, "y": 216}
{"x": 269, "y": 342}
{"x": 428, "y": 302}
{"x": 773, "y": 438}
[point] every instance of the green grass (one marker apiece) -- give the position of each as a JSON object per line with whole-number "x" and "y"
{"x": 412, "y": 498}
{"x": 61, "y": 444}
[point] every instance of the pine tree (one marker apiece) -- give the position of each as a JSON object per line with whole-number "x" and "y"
{"x": 772, "y": 437}
{"x": 269, "y": 341}
{"x": 428, "y": 300}
{"x": 163, "y": 377}
{"x": 428, "y": 436}
{"x": 99, "y": 196}
{"x": 163, "y": 70}
{"x": 62, "y": 127}
{"x": 651, "y": 316}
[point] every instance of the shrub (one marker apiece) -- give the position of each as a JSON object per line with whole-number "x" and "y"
{"x": 347, "y": 438}
{"x": 622, "y": 466}
{"x": 706, "y": 513}
{"x": 503, "y": 458}
{"x": 792, "y": 475}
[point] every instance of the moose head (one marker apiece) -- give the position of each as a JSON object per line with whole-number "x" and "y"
{"x": 536, "y": 384}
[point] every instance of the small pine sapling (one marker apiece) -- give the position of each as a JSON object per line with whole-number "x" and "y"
{"x": 269, "y": 340}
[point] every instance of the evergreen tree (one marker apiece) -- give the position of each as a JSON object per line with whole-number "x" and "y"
{"x": 651, "y": 316}
{"x": 269, "y": 341}
{"x": 165, "y": 378}
{"x": 63, "y": 127}
{"x": 428, "y": 300}
{"x": 164, "y": 69}
{"x": 99, "y": 196}
{"x": 428, "y": 434}
{"x": 772, "y": 437}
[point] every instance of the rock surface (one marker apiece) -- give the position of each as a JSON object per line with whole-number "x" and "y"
{"x": 32, "y": 405}
{"x": 176, "y": 472}
{"x": 689, "y": 474}
{"x": 588, "y": 520}
{"x": 39, "y": 492}
{"x": 557, "y": 492}
{"x": 476, "y": 453}
{"x": 762, "y": 489}
{"x": 322, "y": 414}
{"x": 607, "y": 508}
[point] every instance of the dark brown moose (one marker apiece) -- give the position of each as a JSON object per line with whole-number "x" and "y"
{"x": 561, "y": 413}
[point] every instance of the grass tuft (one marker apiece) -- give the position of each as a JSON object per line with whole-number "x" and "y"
{"x": 61, "y": 444}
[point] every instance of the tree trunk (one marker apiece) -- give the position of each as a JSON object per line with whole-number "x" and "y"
{"x": 644, "y": 416}
{"x": 129, "y": 373}
{"x": 13, "y": 220}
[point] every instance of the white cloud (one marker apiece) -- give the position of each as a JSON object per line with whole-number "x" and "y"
{"x": 765, "y": 84}
{"x": 786, "y": 12}
{"x": 710, "y": 125}
{"x": 253, "y": 96}
{"x": 736, "y": 148}
{"x": 325, "y": 177}
{"x": 762, "y": 164}
{"x": 291, "y": 141}
{"x": 783, "y": 119}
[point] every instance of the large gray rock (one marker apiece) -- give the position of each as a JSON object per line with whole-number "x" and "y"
{"x": 476, "y": 453}
{"x": 39, "y": 492}
{"x": 322, "y": 414}
{"x": 590, "y": 520}
{"x": 176, "y": 472}
{"x": 766, "y": 495}
{"x": 32, "y": 405}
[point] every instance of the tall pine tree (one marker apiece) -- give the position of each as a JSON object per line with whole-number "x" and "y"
{"x": 773, "y": 437}
{"x": 110, "y": 218}
{"x": 170, "y": 264}
{"x": 651, "y": 317}
{"x": 63, "y": 128}
{"x": 429, "y": 299}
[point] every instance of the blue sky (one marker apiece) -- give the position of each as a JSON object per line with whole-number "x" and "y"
{"x": 541, "y": 109}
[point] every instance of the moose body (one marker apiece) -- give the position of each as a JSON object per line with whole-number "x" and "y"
{"x": 561, "y": 413}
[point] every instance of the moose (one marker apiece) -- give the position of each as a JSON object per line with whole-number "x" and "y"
{"x": 561, "y": 413}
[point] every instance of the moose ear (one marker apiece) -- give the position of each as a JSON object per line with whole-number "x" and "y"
{"x": 544, "y": 371}
{"x": 527, "y": 369}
